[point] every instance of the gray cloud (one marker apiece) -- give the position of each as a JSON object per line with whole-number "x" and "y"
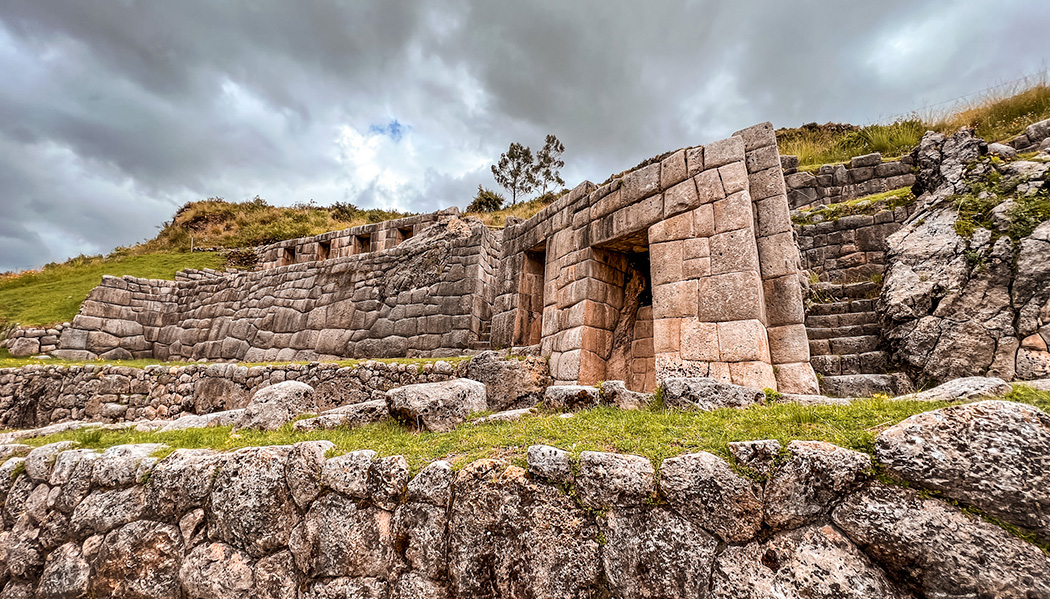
{"x": 113, "y": 113}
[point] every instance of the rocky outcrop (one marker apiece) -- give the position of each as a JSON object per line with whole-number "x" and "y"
{"x": 437, "y": 407}
{"x": 276, "y": 405}
{"x": 511, "y": 382}
{"x": 968, "y": 293}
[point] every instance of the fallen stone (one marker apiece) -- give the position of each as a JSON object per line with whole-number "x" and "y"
{"x": 756, "y": 455}
{"x": 510, "y": 382}
{"x": 1002, "y": 150}
{"x": 866, "y": 385}
{"x": 505, "y": 416}
{"x": 616, "y": 393}
{"x": 23, "y": 347}
{"x": 274, "y": 406}
{"x": 549, "y": 463}
{"x": 351, "y": 416}
{"x": 188, "y": 421}
{"x": 938, "y": 550}
{"x": 437, "y": 407}
{"x": 614, "y": 480}
{"x": 993, "y": 455}
{"x": 813, "y": 400}
{"x": 707, "y": 394}
{"x": 807, "y": 486}
{"x": 571, "y": 397}
{"x": 705, "y": 489}
{"x": 963, "y": 389}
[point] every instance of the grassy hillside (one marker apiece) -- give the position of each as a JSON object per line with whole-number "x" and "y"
{"x": 54, "y": 294}
{"x": 996, "y": 117}
{"x": 523, "y": 211}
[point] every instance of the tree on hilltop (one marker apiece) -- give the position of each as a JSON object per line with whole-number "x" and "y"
{"x": 515, "y": 171}
{"x": 549, "y": 163}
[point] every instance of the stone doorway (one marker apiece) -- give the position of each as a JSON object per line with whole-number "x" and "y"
{"x": 529, "y": 327}
{"x": 628, "y": 354}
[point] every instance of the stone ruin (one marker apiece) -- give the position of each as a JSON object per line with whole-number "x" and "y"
{"x": 683, "y": 267}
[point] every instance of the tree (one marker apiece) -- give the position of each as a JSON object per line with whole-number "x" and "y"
{"x": 549, "y": 163}
{"x": 515, "y": 171}
{"x": 486, "y": 201}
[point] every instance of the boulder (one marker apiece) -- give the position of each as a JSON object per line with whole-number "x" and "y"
{"x": 703, "y": 487}
{"x": 963, "y": 389}
{"x": 614, "y": 480}
{"x": 816, "y": 562}
{"x": 993, "y": 455}
{"x": 274, "y": 406}
{"x": 707, "y": 394}
{"x": 550, "y": 463}
{"x": 616, "y": 393}
{"x": 938, "y": 550}
{"x": 216, "y": 571}
{"x": 437, "y": 407}
{"x": 351, "y": 416}
{"x": 510, "y": 382}
{"x": 139, "y": 560}
{"x": 808, "y": 485}
{"x": 654, "y": 552}
{"x": 24, "y": 347}
{"x": 571, "y": 397}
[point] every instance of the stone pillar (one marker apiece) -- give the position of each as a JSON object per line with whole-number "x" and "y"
{"x": 780, "y": 263}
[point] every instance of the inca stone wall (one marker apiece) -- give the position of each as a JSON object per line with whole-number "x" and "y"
{"x": 37, "y": 396}
{"x": 704, "y": 237}
{"x": 851, "y": 248}
{"x": 348, "y": 242}
{"x": 834, "y": 183}
{"x": 289, "y": 522}
{"x": 429, "y": 296}
{"x": 28, "y": 341}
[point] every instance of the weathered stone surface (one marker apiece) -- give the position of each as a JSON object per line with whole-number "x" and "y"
{"x": 550, "y": 463}
{"x": 964, "y": 389}
{"x": 354, "y": 415}
{"x": 348, "y": 473}
{"x": 433, "y": 484}
{"x": 346, "y": 588}
{"x": 811, "y": 482}
{"x": 274, "y": 406}
{"x": 708, "y": 394}
{"x": 23, "y": 347}
{"x": 181, "y": 482}
{"x": 614, "y": 480}
{"x": 336, "y": 538}
{"x": 39, "y": 462}
{"x": 437, "y": 407}
{"x": 419, "y": 533}
{"x": 387, "y": 479}
{"x": 276, "y": 577}
{"x": 216, "y": 571}
{"x": 702, "y": 487}
{"x": 510, "y": 382}
{"x": 538, "y": 544}
{"x": 994, "y": 455}
{"x": 756, "y": 455}
{"x": 66, "y": 574}
{"x": 812, "y": 563}
{"x": 413, "y": 586}
{"x": 655, "y": 553}
{"x": 616, "y": 393}
{"x": 252, "y": 507}
{"x": 571, "y": 397}
{"x": 303, "y": 472}
{"x": 119, "y": 465}
{"x": 139, "y": 561}
{"x": 939, "y": 551}
{"x": 102, "y": 511}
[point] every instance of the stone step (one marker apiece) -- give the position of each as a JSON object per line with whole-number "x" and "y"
{"x": 858, "y": 344}
{"x": 866, "y": 385}
{"x": 856, "y": 330}
{"x": 846, "y": 307}
{"x": 875, "y": 362}
{"x": 861, "y": 290}
{"x": 840, "y": 320}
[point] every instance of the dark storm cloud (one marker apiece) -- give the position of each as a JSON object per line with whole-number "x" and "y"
{"x": 114, "y": 113}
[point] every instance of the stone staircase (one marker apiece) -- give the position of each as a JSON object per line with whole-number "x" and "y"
{"x": 845, "y": 347}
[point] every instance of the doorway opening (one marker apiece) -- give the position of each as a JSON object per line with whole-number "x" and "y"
{"x": 528, "y": 330}
{"x": 324, "y": 250}
{"x": 404, "y": 234}
{"x": 288, "y": 256}
{"x": 630, "y": 356}
{"x": 362, "y": 244}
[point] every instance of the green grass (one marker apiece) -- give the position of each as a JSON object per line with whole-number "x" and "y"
{"x": 54, "y": 294}
{"x": 6, "y": 361}
{"x": 975, "y": 211}
{"x": 655, "y": 433}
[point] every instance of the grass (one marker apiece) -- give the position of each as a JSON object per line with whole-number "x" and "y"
{"x": 975, "y": 208}
{"x": 655, "y": 433}
{"x": 524, "y": 211}
{"x": 54, "y": 293}
{"x": 997, "y": 116}
{"x": 6, "y": 361}
{"x": 887, "y": 200}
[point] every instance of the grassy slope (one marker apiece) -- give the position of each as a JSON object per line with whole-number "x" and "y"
{"x": 996, "y": 118}
{"x": 654, "y": 433}
{"x": 55, "y": 293}
{"x": 524, "y": 211}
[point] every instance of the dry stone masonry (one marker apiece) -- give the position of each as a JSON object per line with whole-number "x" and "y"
{"x": 290, "y": 522}
{"x": 834, "y": 183}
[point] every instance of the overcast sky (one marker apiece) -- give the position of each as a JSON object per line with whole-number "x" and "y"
{"x": 114, "y": 113}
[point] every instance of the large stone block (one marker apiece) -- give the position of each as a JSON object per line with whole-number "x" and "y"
{"x": 731, "y": 296}
{"x": 723, "y": 152}
{"x": 742, "y": 341}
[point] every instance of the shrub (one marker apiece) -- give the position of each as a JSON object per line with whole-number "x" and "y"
{"x": 486, "y": 200}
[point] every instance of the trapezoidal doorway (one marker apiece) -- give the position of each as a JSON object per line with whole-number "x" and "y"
{"x": 628, "y": 351}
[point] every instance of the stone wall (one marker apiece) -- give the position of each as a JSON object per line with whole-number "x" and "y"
{"x": 834, "y": 183}
{"x": 289, "y": 522}
{"x": 362, "y": 239}
{"x": 40, "y": 395}
{"x": 1033, "y": 138}
{"x": 29, "y": 341}
{"x": 429, "y": 296}
{"x": 705, "y": 233}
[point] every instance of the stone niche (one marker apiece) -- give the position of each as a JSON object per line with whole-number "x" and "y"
{"x": 683, "y": 267}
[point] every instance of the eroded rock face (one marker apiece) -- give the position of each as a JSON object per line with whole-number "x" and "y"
{"x": 252, "y": 507}
{"x": 816, "y": 562}
{"x": 512, "y": 537}
{"x": 336, "y": 538}
{"x": 994, "y": 455}
{"x": 808, "y": 485}
{"x": 510, "y": 382}
{"x": 437, "y": 407}
{"x": 139, "y": 561}
{"x": 614, "y": 480}
{"x": 216, "y": 571}
{"x": 938, "y": 550}
{"x": 707, "y": 394}
{"x": 702, "y": 487}
{"x": 274, "y": 406}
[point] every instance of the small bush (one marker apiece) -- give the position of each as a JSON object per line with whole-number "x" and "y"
{"x": 486, "y": 200}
